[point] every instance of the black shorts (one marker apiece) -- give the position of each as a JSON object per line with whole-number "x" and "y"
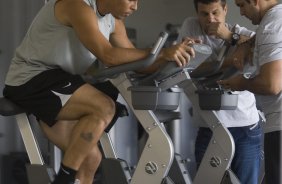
{"x": 45, "y": 94}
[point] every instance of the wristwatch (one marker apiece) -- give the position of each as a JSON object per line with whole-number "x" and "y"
{"x": 235, "y": 38}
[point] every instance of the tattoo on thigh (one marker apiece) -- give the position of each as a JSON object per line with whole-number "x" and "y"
{"x": 87, "y": 136}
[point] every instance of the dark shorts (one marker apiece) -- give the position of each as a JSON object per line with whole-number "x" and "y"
{"x": 45, "y": 94}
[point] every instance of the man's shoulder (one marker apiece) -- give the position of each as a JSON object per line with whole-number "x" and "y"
{"x": 191, "y": 20}
{"x": 191, "y": 24}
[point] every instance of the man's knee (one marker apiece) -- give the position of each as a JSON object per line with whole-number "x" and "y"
{"x": 110, "y": 109}
{"x": 105, "y": 112}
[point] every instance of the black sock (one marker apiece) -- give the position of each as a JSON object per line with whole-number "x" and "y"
{"x": 65, "y": 175}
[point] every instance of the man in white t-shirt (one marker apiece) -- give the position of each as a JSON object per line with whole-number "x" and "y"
{"x": 210, "y": 27}
{"x": 266, "y": 82}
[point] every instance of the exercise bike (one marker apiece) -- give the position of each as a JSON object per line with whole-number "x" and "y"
{"x": 160, "y": 94}
{"x": 157, "y": 157}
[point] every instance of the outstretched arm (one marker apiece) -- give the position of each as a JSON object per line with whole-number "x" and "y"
{"x": 220, "y": 30}
{"x": 268, "y": 82}
{"x": 82, "y": 18}
{"x": 179, "y": 53}
{"x": 118, "y": 50}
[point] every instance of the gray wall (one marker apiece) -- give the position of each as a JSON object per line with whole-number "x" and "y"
{"x": 15, "y": 17}
{"x": 152, "y": 16}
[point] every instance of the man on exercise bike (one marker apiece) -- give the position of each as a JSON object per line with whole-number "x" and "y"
{"x": 63, "y": 41}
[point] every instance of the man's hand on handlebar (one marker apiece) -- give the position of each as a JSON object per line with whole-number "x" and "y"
{"x": 190, "y": 41}
{"x": 236, "y": 83}
{"x": 180, "y": 53}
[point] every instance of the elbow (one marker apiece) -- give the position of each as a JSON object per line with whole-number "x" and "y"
{"x": 108, "y": 59}
{"x": 274, "y": 90}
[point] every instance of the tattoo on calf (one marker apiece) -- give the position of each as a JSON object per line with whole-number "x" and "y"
{"x": 88, "y": 136}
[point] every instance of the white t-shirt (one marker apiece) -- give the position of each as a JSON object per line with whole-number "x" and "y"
{"x": 246, "y": 112}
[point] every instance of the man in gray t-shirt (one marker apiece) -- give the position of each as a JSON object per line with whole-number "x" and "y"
{"x": 267, "y": 80}
{"x": 65, "y": 40}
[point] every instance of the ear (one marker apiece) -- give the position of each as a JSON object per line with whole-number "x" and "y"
{"x": 225, "y": 9}
{"x": 255, "y": 2}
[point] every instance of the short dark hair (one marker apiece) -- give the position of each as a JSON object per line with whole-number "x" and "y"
{"x": 223, "y": 2}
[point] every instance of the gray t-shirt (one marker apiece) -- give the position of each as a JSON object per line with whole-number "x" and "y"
{"x": 48, "y": 45}
{"x": 246, "y": 112}
{"x": 268, "y": 48}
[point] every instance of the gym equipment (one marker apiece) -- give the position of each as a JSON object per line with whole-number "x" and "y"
{"x": 159, "y": 91}
{"x": 215, "y": 165}
{"x": 37, "y": 171}
{"x": 157, "y": 156}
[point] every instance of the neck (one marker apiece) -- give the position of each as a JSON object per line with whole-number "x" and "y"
{"x": 267, "y": 5}
{"x": 101, "y": 7}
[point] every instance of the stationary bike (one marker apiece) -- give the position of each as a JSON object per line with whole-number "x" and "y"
{"x": 160, "y": 94}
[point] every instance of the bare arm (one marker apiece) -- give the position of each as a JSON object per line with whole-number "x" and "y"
{"x": 268, "y": 82}
{"x": 119, "y": 37}
{"x": 81, "y": 17}
{"x": 180, "y": 53}
{"x": 242, "y": 54}
{"x": 119, "y": 50}
{"x": 220, "y": 30}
